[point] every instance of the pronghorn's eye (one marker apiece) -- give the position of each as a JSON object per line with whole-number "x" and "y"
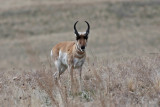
{"x": 78, "y": 37}
{"x": 86, "y": 37}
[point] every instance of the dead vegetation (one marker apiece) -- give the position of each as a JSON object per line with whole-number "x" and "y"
{"x": 135, "y": 82}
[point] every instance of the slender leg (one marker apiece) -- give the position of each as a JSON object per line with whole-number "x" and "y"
{"x": 58, "y": 66}
{"x": 60, "y": 69}
{"x": 80, "y": 79}
{"x": 71, "y": 76}
{"x": 56, "y": 74}
{"x": 63, "y": 68}
{"x": 72, "y": 81}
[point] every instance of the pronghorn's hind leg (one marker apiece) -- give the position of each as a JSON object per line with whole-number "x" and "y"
{"x": 63, "y": 68}
{"x": 57, "y": 65}
{"x": 60, "y": 68}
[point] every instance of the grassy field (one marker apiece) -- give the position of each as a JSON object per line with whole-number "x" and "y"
{"x": 123, "y": 57}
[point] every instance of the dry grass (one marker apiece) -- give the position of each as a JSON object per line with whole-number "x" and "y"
{"x": 135, "y": 82}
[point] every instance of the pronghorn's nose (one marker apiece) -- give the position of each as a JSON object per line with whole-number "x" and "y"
{"x": 83, "y": 47}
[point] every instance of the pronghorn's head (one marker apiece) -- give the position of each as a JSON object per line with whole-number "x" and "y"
{"x": 81, "y": 37}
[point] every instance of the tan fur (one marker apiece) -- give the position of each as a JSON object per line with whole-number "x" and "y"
{"x": 69, "y": 47}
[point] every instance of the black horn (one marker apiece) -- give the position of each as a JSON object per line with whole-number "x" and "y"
{"x": 75, "y": 30}
{"x": 87, "y": 31}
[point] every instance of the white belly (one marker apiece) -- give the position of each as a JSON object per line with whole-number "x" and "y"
{"x": 78, "y": 62}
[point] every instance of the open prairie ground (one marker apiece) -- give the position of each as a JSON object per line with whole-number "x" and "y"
{"x": 123, "y": 57}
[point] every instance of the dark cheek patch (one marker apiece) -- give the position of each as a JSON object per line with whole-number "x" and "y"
{"x": 84, "y": 37}
{"x": 77, "y": 38}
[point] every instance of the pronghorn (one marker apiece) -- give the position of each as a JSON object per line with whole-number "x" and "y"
{"x": 71, "y": 54}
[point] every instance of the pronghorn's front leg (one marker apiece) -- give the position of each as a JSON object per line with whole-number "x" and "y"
{"x": 80, "y": 79}
{"x": 60, "y": 69}
{"x": 71, "y": 77}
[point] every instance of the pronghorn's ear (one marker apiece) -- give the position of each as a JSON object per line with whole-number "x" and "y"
{"x": 75, "y": 30}
{"x": 88, "y": 29}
